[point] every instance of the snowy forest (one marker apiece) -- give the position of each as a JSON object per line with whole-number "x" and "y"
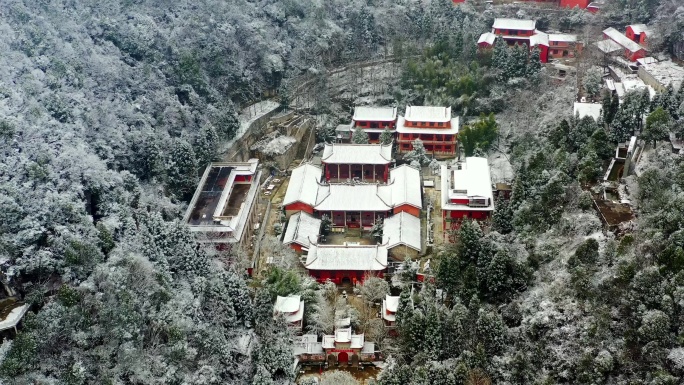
{"x": 111, "y": 110}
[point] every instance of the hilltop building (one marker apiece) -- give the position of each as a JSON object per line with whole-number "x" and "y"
{"x": 374, "y": 120}
{"x": 360, "y": 162}
{"x": 630, "y": 49}
{"x": 353, "y": 205}
{"x": 223, "y": 209}
{"x": 347, "y": 263}
{"x": 434, "y": 126}
{"x": 515, "y": 31}
{"x": 375, "y": 192}
{"x": 466, "y": 192}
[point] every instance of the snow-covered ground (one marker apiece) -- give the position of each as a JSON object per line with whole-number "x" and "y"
{"x": 500, "y": 168}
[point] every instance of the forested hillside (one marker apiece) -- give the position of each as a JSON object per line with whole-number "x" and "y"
{"x": 110, "y": 110}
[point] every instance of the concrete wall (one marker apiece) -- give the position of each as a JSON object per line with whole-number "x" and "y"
{"x": 649, "y": 79}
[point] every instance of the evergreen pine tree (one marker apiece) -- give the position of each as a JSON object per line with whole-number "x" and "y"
{"x": 501, "y": 57}
{"x": 360, "y": 136}
{"x": 606, "y": 106}
{"x": 520, "y": 191}
{"x": 386, "y": 137}
{"x": 458, "y": 44}
{"x": 182, "y": 170}
{"x": 418, "y": 156}
{"x": 621, "y": 129}
{"x": 433, "y": 332}
{"x": 535, "y": 64}
{"x": 206, "y": 146}
{"x": 503, "y": 216}
{"x": 658, "y": 125}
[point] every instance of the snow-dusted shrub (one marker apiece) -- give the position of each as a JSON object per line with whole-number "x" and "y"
{"x": 655, "y": 326}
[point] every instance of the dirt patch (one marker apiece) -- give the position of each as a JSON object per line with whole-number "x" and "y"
{"x": 613, "y": 214}
{"x": 363, "y": 376}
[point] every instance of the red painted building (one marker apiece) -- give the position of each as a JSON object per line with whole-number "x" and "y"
{"x": 638, "y": 33}
{"x": 302, "y": 229}
{"x": 353, "y": 205}
{"x": 486, "y": 40}
{"x": 574, "y": 3}
{"x": 360, "y": 162}
{"x": 374, "y": 120}
{"x": 514, "y": 31}
{"x": 434, "y": 126}
{"x": 631, "y": 50}
{"x": 346, "y": 263}
{"x": 466, "y": 192}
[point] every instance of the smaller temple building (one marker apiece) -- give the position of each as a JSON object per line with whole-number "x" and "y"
{"x": 466, "y": 192}
{"x": 374, "y": 120}
{"x": 302, "y": 229}
{"x": 389, "y": 310}
{"x": 345, "y": 347}
{"x": 292, "y": 308}
{"x": 361, "y": 162}
{"x": 401, "y": 234}
{"x": 347, "y": 263}
{"x": 434, "y": 126}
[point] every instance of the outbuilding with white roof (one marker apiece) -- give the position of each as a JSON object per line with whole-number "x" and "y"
{"x": 401, "y": 234}
{"x": 466, "y": 192}
{"x": 302, "y": 229}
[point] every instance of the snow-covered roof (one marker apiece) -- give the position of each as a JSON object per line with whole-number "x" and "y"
{"x": 517, "y": 24}
{"x": 338, "y": 153}
{"x": 368, "y": 348}
{"x": 375, "y": 114}
{"x": 289, "y": 304}
{"x": 392, "y": 303}
{"x": 347, "y": 257}
{"x": 343, "y": 128}
{"x": 587, "y": 109}
{"x": 387, "y": 315}
{"x": 352, "y": 197}
{"x": 472, "y": 181}
{"x": 344, "y": 335}
{"x": 562, "y": 37}
{"x": 487, "y": 37}
{"x": 303, "y": 186}
{"x": 357, "y": 341}
{"x": 301, "y": 229}
{"x": 646, "y": 60}
{"x": 608, "y": 46}
{"x": 401, "y": 229}
{"x": 624, "y": 41}
{"x": 427, "y": 114}
{"x": 291, "y": 307}
{"x": 539, "y": 38}
{"x": 404, "y": 186}
{"x": 402, "y": 129}
{"x": 307, "y": 344}
{"x": 14, "y": 316}
{"x": 640, "y": 28}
